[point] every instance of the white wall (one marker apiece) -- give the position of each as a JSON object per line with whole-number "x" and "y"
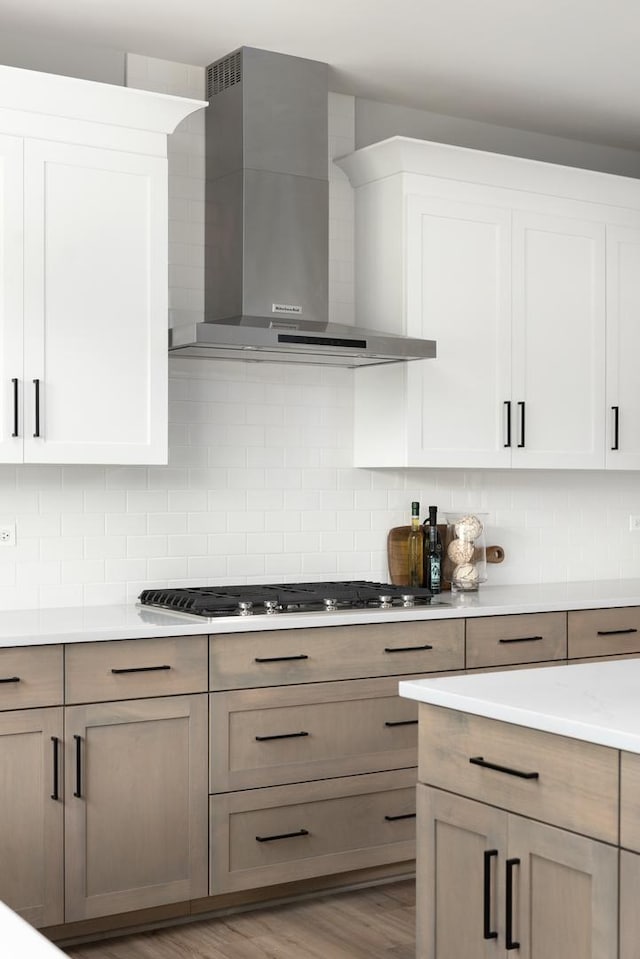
{"x": 259, "y": 485}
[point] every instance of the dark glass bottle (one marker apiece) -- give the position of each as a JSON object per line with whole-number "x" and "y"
{"x": 415, "y": 547}
{"x": 432, "y": 552}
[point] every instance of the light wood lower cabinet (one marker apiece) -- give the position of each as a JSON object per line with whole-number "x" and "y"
{"x": 289, "y": 734}
{"x": 31, "y": 814}
{"x": 136, "y": 804}
{"x": 282, "y": 833}
{"x": 490, "y": 882}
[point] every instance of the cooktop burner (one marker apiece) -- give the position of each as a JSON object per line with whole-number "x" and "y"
{"x": 212, "y": 601}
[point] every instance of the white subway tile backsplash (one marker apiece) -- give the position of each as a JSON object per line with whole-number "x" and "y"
{"x": 128, "y": 524}
{"x": 83, "y": 524}
{"x": 139, "y": 547}
{"x": 105, "y": 547}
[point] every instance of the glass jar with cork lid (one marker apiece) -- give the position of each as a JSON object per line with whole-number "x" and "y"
{"x": 465, "y": 552}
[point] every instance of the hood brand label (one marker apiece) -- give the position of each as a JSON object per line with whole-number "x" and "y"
{"x": 289, "y": 309}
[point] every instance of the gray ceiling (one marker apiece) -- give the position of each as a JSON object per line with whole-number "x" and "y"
{"x": 564, "y": 67}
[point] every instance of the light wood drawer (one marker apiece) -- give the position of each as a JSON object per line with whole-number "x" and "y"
{"x": 630, "y": 801}
{"x": 128, "y": 669}
{"x": 264, "y": 737}
{"x": 506, "y": 640}
{"x": 264, "y": 836}
{"x": 336, "y": 652}
{"x": 604, "y": 632}
{"x": 30, "y": 676}
{"x": 576, "y": 785}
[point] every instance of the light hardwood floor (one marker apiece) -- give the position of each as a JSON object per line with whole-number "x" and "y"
{"x": 375, "y": 923}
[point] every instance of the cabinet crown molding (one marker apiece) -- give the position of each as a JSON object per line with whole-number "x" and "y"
{"x": 49, "y": 94}
{"x": 450, "y": 162}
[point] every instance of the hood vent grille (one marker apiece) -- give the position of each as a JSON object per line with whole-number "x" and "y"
{"x": 224, "y": 73}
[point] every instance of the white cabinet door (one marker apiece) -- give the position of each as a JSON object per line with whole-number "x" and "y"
{"x": 623, "y": 348}
{"x": 558, "y": 342}
{"x": 458, "y": 293}
{"x": 95, "y": 305}
{"x": 10, "y": 299}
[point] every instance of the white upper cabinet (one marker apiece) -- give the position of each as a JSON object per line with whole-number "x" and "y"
{"x": 623, "y": 348}
{"x": 83, "y": 270}
{"x": 558, "y": 312}
{"x": 522, "y": 272}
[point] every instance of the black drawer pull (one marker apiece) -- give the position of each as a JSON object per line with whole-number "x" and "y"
{"x": 56, "y": 783}
{"x": 489, "y": 933}
{"x": 139, "y": 669}
{"x": 510, "y": 942}
{"x": 479, "y": 761}
{"x": 403, "y": 722}
{"x": 616, "y": 427}
{"x": 616, "y": 632}
{"x": 264, "y": 739}
{"x": 522, "y": 639}
{"x": 279, "y": 659}
{"x": 407, "y": 815}
{"x": 284, "y": 835}
{"x": 78, "y": 790}
{"x": 405, "y": 649}
{"x": 10, "y": 679}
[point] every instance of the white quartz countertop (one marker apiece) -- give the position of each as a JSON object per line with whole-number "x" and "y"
{"x": 94, "y": 623}
{"x": 596, "y": 702}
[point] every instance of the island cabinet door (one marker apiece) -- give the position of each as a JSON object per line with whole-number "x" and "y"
{"x": 460, "y": 878}
{"x": 564, "y": 894}
{"x": 136, "y": 809}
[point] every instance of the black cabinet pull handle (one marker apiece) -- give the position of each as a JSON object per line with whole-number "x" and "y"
{"x": 403, "y": 722}
{"x": 56, "y": 785}
{"x": 15, "y": 406}
{"x": 616, "y": 427}
{"x": 479, "y": 761}
{"x": 521, "y": 405}
{"x": 510, "y": 942}
{"x": 522, "y": 639}
{"x": 284, "y": 835}
{"x": 10, "y": 679}
{"x": 36, "y": 384}
{"x": 489, "y": 933}
{"x": 279, "y": 659}
{"x": 616, "y": 632}
{"x": 264, "y": 739}
{"x": 406, "y": 815}
{"x": 507, "y": 404}
{"x": 406, "y": 649}
{"x": 139, "y": 669}
{"x": 78, "y": 790}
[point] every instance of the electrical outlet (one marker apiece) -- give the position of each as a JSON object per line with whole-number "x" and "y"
{"x": 634, "y": 523}
{"x": 8, "y": 534}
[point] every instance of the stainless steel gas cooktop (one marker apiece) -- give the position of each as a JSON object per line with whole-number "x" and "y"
{"x": 212, "y": 601}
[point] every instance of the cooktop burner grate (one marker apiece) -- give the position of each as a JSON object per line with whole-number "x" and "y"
{"x": 210, "y": 601}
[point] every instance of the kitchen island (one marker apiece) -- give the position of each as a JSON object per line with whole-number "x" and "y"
{"x": 529, "y": 813}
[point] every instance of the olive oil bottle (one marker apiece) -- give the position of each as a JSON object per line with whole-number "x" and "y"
{"x": 432, "y": 552}
{"x": 415, "y": 547}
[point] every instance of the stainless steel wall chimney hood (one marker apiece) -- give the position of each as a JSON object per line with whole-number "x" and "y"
{"x": 267, "y": 223}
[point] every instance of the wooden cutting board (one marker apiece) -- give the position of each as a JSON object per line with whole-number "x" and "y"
{"x": 398, "y": 561}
